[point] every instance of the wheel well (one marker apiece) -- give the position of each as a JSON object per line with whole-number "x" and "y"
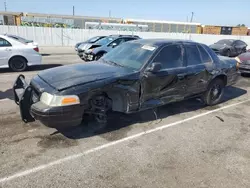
{"x": 101, "y": 52}
{"x": 19, "y": 56}
{"x": 116, "y": 100}
{"x": 223, "y": 78}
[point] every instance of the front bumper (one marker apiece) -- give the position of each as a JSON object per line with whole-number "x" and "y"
{"x": 32, "y": 109}
{"x": 88, "y": 56}
{"x": 244, "y": 68}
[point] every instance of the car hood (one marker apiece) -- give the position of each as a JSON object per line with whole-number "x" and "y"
{"x": 218, "y": 46}
{"x": 86, "y": 46}
{"x": 69, "y": 76}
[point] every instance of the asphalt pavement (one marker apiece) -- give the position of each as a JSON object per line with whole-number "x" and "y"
{"x": 188, "y": 145}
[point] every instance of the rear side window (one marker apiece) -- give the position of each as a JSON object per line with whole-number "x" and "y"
{"x": 204, "y": 55}
{"x": 193, "y": 54}
{"x": 211, "y": 52}
{"x": 4, "y": 43}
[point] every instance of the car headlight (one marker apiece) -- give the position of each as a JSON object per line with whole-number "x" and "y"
{"x": 90, "y": 50}
{"x": 57, "y": 100}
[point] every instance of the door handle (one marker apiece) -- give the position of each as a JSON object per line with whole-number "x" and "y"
{"x": 7, "y": 49}
{"x": 181, "y": 76}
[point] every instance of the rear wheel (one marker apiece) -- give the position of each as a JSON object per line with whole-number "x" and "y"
{"x": 18, "y": 64}
{"x": 214, "y": 92}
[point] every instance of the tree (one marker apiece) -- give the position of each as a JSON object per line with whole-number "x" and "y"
{"x": 241, "y": 25}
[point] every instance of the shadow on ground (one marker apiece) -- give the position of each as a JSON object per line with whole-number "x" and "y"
{"x": 119, "y": 124}
{"x": 33, "y": 68}
{"x": 8, "y": 94}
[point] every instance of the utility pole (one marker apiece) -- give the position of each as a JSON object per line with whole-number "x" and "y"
{"x": 191, "y": 20}
{"x": 73, "y": 10}
{"x": 5, "y": 5}
{"x": 109, "y": 13}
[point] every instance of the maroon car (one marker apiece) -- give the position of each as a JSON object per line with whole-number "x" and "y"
{"x": 245, "y": 62}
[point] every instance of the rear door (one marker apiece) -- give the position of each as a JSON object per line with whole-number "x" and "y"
{"x": 199, "y": 66}
{"x": 5, "y": 51}
{"x": 168, "y": 84}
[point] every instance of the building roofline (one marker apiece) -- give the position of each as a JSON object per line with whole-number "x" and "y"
{"x": 162, "y": 21}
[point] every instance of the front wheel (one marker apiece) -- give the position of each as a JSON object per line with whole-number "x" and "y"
{"x": 214, "y": 92}
{"x": 98, "y": 56}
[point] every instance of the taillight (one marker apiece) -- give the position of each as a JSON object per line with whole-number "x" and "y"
{"x": 36, "y": 49}
{"x": 238, "y": 63}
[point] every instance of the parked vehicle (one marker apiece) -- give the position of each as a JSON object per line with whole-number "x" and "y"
{"x": 244, "y": 62}
{"x": 23, "y": 40}
{"x": 89, "y": 41}
{"x": 135, "y": 76}
{"x": 16, "y": 55}
{"x": 101, "y": 47}
{"x": 229, "y": 47}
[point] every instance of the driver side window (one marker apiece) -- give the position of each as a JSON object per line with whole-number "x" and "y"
{"x": 170, "y": 57}
{"x": 117, "y": 41}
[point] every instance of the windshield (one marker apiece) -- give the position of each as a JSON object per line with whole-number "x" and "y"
{"x": 227, "y": 42}
{"x": 131, "y": 55}
{"x": 92, "y": 40}
{"x": 105, "y": 40}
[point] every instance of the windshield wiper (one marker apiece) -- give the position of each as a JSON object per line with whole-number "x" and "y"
{"x": 113, "y": 63}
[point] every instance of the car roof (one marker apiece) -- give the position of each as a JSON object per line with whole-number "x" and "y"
{"x": 160, "y": 42}
{"x": 120, "y": 36}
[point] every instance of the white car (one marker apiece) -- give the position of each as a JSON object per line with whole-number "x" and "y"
{"x": 23, "y": 40}
{"x": 16, "y": 55}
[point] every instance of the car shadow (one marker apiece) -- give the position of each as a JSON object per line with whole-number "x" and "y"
{"x": 45, "y": 54}
{"x": 8, "y": 94}
{"x": 33, "y": 68}
{"x": 119, "y": 124}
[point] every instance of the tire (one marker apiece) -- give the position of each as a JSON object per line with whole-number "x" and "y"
{"x": 18, "y": 64}
{"x": 214, "y": 92}
{"x": 98, "y": 56}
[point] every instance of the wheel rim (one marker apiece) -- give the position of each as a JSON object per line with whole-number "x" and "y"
{"x": 216, "y": 92}
{"x": 18, "y": 65}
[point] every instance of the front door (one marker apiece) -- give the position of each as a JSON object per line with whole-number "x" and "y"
{"x": 5, "y": 51}
{"x": 168, "y": 84}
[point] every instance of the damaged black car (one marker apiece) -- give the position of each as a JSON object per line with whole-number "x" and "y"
{"x": 135, "y": 76}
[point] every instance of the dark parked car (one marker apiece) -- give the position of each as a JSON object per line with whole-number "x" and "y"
{"x": 89, "y": 41}
{"x": 135, "y": 76}
{"x": 229, "y": 47}
{"x": 245, "y": 62}
{"x": 103, "y": 46}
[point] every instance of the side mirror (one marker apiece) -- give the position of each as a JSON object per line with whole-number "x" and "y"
{"x": 114, "y": 45}
{"x": 155, "y": 67}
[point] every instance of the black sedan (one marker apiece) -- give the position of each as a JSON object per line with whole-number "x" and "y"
{"x": 135, "y": 76}
{"x": 89, "y": 41}
{"x": 229, "y": 47}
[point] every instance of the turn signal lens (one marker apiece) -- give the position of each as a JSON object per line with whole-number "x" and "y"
{"x": 70, "y": 100}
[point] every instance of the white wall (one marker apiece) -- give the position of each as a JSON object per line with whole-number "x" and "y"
{"x": 69, "y": 37}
